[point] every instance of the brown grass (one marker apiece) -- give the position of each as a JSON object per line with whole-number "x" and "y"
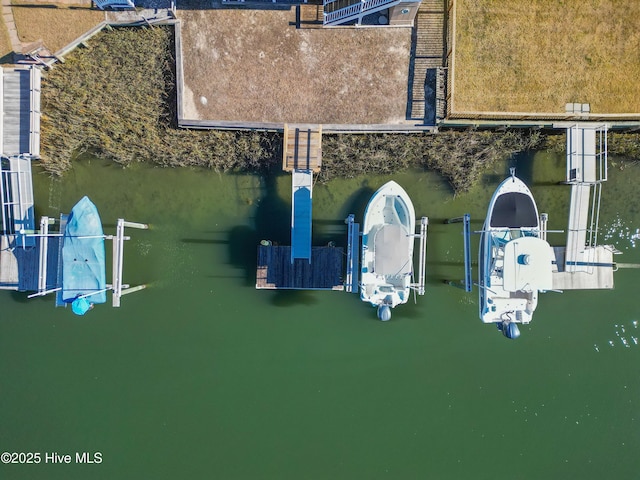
{"x": 56, "y": 26}
{"x": 5, "y": 43}
{"x": 537, "y": 55}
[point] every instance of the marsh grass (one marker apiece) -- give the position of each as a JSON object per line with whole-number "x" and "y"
{"x": 460, "y": 156}
{"x": 116, "y": 99}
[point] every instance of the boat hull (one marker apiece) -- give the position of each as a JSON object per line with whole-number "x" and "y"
{"x": 387, "y": 247}
{"x": 514, "y": 262}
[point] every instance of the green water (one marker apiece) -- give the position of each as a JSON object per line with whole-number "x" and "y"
{"x": 202, "y": 376}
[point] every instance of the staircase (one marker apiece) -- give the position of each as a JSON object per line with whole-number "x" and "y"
{"x": 426, "y": 74}
{"x": 340, "y": 12}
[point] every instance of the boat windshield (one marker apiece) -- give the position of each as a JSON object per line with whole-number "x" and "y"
{"x": 514, "y": 210}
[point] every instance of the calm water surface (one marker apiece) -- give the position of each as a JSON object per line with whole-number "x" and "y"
{"x": 202, "y": 376}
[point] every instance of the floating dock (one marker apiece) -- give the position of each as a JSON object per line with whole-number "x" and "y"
{"x": 300, "y": 266}
{"x": 277, "y": 271}
{"x": 583, "y": 264}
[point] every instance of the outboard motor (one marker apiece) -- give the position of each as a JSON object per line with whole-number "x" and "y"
{"x": 384, "y": 312}
{"x": 509, "y": 329}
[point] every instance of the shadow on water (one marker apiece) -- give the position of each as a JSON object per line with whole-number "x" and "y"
{"x": 271, "y": 222}
{"x": 243, "y": 245}
{"x": 21, "y": 297}
{"x": 523, "y": 163}
{"x": 204, "y": 241}
{"x": 273, "y": 215}
{"x": 290, "y": 298}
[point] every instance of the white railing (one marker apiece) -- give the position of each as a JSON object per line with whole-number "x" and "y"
{"x": 357, "y": 10}
{"x": 34, "y": 111}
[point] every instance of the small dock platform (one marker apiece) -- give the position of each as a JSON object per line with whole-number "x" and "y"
{"x": 302, "y": 149}
{"x": 277, "y": 271}
{"x": 592, "y": 269}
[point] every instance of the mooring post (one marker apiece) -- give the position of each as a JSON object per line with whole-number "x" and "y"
{"x": 544, "y": 219}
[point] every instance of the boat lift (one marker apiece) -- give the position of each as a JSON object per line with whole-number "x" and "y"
{"x": 352, "y": 281}
{"x": 49, "y": 257}
{"x": 467, "y": 284}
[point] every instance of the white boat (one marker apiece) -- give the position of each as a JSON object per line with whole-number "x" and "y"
{"x": 387, "y": 249}
{"x": 515, "y": 262}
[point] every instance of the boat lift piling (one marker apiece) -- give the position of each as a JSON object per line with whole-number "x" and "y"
{"x": 544, "y": 219}
{"x": 120, "y": 289}
{"x": 353, "y": 247}
{"x": 419, "y": 287}
{"x": 466, "y": 232}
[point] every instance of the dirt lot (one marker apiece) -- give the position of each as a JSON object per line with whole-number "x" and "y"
{"x": 254, "y": 65}
{"x": 538, "y": 55}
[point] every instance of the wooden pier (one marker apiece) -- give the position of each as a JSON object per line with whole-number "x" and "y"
{"x": 277, "y": 271}
{"x": 300, "y": 266}
{"x": 20, "y": 111}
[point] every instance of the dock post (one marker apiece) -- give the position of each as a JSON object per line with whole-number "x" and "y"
{"x": 353, "y": 235}
{"x": 118, "y": 250}
{"x": 423, "y": 255}
{"x": 544, "y": 219}
{"x": 466, "y": 231}
{"x": 466, "y": 242}
{"x": 44, "y": 247}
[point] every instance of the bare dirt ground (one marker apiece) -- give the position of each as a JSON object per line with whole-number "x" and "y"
{"x": 255, "y": 66}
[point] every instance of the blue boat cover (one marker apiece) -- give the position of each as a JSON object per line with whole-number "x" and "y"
{"x": 83, "y": 260}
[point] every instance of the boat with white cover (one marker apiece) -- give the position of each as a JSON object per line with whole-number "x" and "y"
{"x": 515, "y": 263}
{"x": 388, "y": 235}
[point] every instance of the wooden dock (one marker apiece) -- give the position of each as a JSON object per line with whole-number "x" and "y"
{"x": 302, "y": 149}
{"x": 277, "y": 271}
{"x": 20, "y": 111}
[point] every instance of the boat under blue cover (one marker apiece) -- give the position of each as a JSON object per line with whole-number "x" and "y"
{"x": 83, "y": 258}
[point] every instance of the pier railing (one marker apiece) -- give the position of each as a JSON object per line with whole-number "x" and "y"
{"x": 353, "y": 12}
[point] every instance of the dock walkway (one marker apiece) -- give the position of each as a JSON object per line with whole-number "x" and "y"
{"x": 582, "y": 264}
{"x": 20, "y": 111}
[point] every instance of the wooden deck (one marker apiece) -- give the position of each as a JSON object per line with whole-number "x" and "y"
{"x": 277, "y": 271}
{"x": 302, "y": 148}
{"x": 20, "y": 111}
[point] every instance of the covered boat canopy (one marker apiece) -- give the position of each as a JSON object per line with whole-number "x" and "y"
{"x": 83, "y": 256}
{"x": 514, "y": 210}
